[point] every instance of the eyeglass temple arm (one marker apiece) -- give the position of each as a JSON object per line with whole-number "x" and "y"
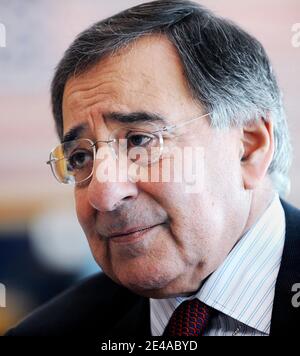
{"x": 52, "y": 160}
{"x": 172, "y": 127}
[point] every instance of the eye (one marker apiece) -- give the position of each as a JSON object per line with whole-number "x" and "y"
{"x": 136, "y": 139}
{"x": 79, "y": 160}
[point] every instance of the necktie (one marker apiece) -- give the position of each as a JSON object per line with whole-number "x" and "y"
{"x": 189, "y": 319}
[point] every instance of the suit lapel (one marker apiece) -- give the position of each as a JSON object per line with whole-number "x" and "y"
{"x": 285, "y": 317}
{"x": 136, "y": 321}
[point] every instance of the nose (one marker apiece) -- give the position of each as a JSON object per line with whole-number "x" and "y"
{"x": 105, "y": 191}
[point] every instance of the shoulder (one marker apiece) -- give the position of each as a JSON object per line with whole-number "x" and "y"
{"x": 80, "y": 309}
{"x": 285, "y": 316}
{"x": 290, "y": 264}
{"x": 292, "y": 216}
{"x": 291, "y": 251}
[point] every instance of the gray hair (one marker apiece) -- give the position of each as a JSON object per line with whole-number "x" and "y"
{"x": 227, "y": 70}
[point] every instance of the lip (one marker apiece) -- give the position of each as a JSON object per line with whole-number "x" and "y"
{"x": 131, "y": 235}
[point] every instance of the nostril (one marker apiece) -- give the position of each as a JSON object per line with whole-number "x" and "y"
{"x": 119, "y": 203}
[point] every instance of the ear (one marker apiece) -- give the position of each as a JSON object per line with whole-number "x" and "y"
{"x": 257, "y": 150}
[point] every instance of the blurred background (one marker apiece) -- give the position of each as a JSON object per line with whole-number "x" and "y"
{"x": 42, "y": 247}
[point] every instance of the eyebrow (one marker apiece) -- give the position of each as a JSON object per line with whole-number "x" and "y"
{"x": 127, "y": 118}
{"x": 135, "y": 117}
{"x": 74, "y": 133}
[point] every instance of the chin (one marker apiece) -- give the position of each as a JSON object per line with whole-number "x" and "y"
{"x": 158, "y": 292}
{"x": 156, "y": 286}
{"x": 163, "y": 285}
{"x": 148, "y": 285}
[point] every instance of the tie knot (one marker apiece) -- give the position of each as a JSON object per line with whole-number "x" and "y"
{"x": 189, "y": 319}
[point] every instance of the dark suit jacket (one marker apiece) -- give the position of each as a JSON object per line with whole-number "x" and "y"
{"x": 100, "y": 307}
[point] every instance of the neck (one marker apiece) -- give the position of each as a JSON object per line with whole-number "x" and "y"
{"x": 261, "y": 199}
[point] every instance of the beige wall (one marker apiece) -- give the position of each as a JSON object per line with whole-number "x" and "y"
{"x": 38, "y": 33}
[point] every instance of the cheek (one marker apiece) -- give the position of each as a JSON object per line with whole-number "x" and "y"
{"x": 222, "y": 170}
{"x": 167, "y": 196}
{"x": 84, "y": 210}
{"x": 87, "y": 218}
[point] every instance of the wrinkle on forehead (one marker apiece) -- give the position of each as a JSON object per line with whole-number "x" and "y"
{"x": 145, "y": 75}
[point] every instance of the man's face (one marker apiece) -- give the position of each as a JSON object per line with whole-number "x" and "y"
{"x": 188, "y": 235}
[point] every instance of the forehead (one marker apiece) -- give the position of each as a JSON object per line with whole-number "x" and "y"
{"x": 147, "y": 76}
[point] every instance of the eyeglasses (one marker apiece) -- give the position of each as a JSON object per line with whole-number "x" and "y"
{"x": 73, "y": 162}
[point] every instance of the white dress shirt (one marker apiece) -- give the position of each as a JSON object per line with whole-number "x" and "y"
{"x": 242, "y": 289}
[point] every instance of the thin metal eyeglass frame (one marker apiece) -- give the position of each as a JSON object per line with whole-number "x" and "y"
{"x": 110, "y": 141}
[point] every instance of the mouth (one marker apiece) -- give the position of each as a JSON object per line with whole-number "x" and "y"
{"x": 131, "y": 235}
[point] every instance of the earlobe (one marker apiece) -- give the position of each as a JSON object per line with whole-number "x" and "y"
{"x": 257, "y": 148}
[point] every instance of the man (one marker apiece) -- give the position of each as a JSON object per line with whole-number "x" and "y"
{"x": 170, "y": 74}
